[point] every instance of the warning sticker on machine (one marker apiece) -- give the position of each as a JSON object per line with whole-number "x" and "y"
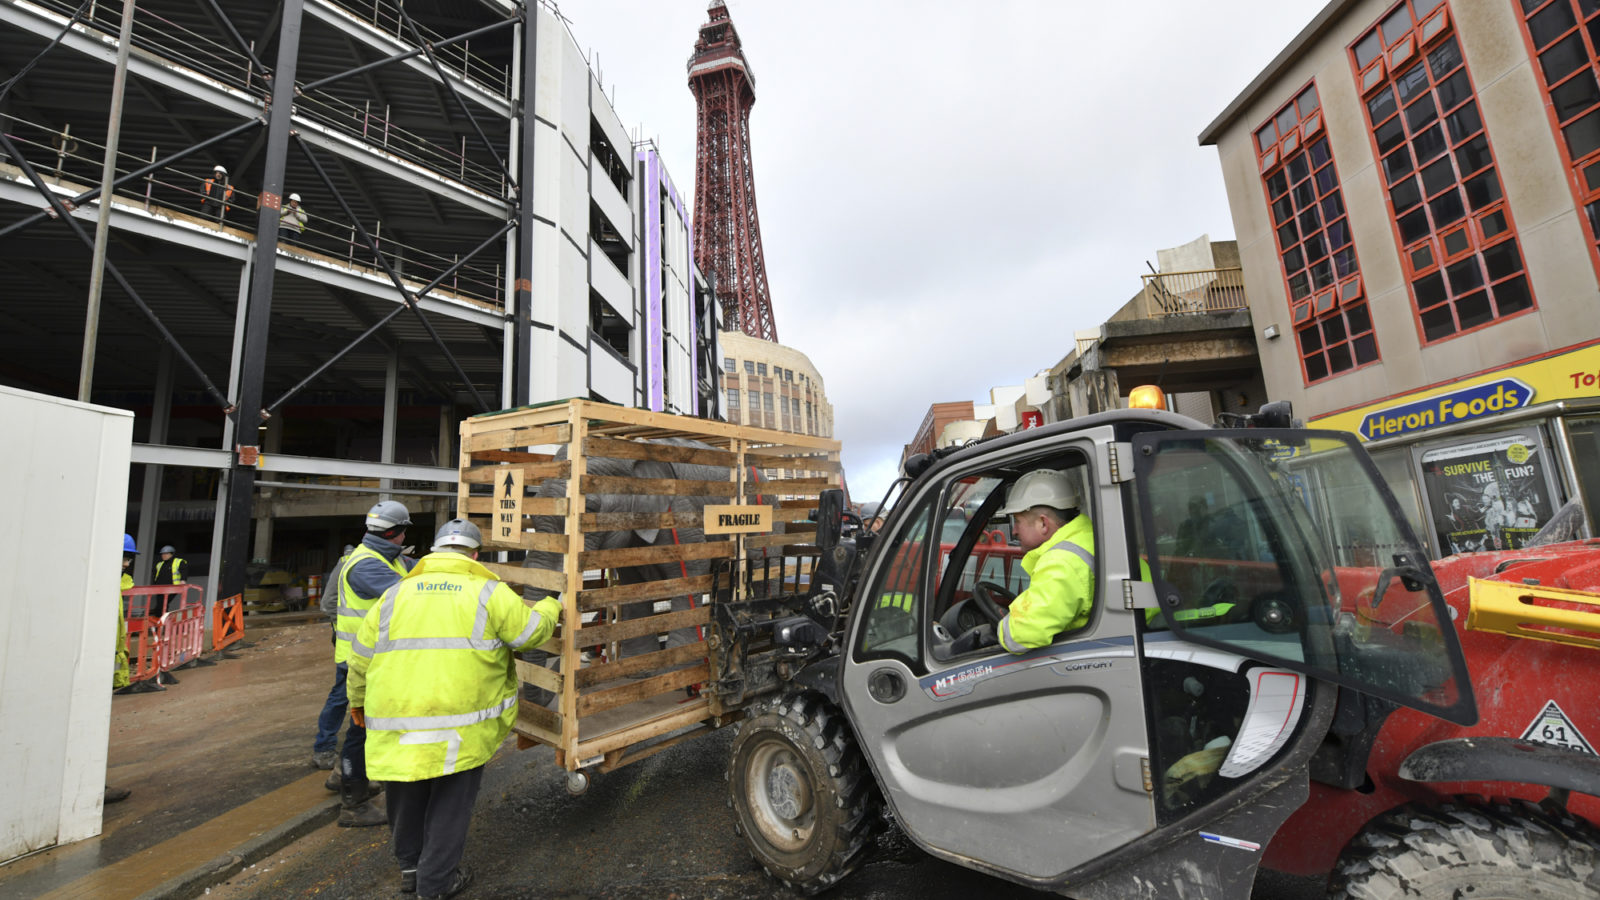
{"x": 1553, "y": 727}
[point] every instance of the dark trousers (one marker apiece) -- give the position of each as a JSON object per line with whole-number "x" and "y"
{"x": 353, "y": 765}
{"x": 429, "y": 819}
{"x": 333, "y": 711}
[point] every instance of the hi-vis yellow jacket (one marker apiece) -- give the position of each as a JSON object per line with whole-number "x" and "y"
{"x": 432, "y": 668}
{"x": 1060, "y": 589}
{"x": 353, "y": 607}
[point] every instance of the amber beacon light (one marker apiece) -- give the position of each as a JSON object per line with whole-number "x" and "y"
{"x": 1147, "y": 396}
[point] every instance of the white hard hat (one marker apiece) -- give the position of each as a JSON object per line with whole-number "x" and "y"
{"x": 387, "y": 515}
{"x": 1041, "y": 487}
{"x": 294, "y": 198}
{"x": 222, "y": 170}
{"x": 457, "y": 534}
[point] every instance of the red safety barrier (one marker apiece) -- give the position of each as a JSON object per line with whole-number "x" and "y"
{"x": 182, "y": 636}
{"x": 227, "y": 622}
{"x": 144, "y": 630}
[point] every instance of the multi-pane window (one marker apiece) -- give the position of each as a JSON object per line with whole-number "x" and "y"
{"x": 1458, "y": 242}
{"x": 749, "y": 367}
{"x": 761, "y": 369}
{"x": 1565, "y": 37}
{"x": 1326, "y": 302}
{"x": 733, "y": 398}
{"x": 728, "y": 366}
{"x": 768, "y": 396}
{"x": 755, "y": 399}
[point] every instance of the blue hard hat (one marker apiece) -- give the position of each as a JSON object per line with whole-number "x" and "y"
{"x": 127, "y": 544}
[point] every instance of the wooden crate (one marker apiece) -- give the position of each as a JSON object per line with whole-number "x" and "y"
{"x": 609, "y": 711}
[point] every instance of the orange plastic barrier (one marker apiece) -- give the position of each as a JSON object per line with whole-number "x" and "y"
{"x": 182, "y": 636}
{"x": 144, "y": 630}
{"x": 227, "y": 622}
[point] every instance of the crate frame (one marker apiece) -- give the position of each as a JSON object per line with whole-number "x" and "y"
{"x": 493, "y": 444}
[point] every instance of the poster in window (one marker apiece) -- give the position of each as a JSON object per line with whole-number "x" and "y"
{"x": 1490, "y": 494}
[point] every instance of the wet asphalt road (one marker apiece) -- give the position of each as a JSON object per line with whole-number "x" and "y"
{"x": 659, "y": 828}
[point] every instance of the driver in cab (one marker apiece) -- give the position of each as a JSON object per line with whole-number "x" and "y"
{"x": 1058, "y": 545}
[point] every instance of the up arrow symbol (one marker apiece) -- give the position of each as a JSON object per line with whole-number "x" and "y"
{"x": 509, "y": 484}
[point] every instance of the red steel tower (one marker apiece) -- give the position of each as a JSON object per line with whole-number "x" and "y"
{"x": 727, "y": 230}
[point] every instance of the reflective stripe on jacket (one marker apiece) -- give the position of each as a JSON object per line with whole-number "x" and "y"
{"x": 120, "y": 674}
{"x": 352, "y": 606}
{"x": 1060, "y": 589}
{"x": 169, "y": 572}
{"x": 432, "y": 668}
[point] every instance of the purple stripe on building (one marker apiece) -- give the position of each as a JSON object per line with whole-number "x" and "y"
{"x": 652, "y": 289}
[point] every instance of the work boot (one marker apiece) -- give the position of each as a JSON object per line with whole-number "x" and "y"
{"x": 363, "y": 815}
{"x": 359, "y": 809}
{"x": 408, "y": 881}
{"x": 333, "y": 782}
{"x": 458, "y": 883}
{"x": 324, "y": 759}
{"x": 117, "y": 795}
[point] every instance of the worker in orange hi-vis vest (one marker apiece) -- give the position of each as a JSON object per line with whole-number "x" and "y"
{"x": 218, "y": 194}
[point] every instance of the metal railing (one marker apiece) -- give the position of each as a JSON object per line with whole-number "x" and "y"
{"x": 75, "y": 163}
{"x": 1194, "y": 293}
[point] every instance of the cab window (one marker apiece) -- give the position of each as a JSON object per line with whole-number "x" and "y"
{"x": 889, "y": 623}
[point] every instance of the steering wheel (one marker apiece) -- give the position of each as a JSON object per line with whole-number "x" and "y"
{"x": 987, "y": 596}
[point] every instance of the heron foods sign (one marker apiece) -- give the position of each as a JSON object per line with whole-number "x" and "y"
{"x": 1567, "y": 376}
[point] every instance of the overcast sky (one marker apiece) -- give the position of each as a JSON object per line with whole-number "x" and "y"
{"x": 948, "y": 190}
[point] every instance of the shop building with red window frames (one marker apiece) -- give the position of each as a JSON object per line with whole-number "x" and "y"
{"x": 1415, "y": 189}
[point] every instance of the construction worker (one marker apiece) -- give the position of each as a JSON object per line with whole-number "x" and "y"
{"x": 218, "y": 194}
{"x": 170, "y": 569}
{"x": 290, "y": 215}
{"x": 325, "y": 748}
{"x": 1058, "y": 545}
{"x": 119, "y": 676}
{"x": 433, "y": 680}
{"x": 372, "y": 568}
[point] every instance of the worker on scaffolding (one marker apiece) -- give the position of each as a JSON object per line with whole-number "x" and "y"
{"x": 293, "y": 216}
{"x": 218, "y": 194}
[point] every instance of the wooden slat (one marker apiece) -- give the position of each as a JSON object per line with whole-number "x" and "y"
{"x": 797, "y": 485}
{"x": 509, "y": 456}
{"x": 607, "y": 484}
{"x": 543, "y": 579}
{"x": 702, "y": 429}
{"x": 526, "y": 540}
{"x": 538, "y": 470}
{"x": 632, "y": 521}
{"x": 661, "y": 659}
{"x": 612, "y": 448}
{"x": 688, "y": 714}
{"x": 644, "y": 556}
{"x": 538, "y": 722}
{"x": 800, "y": 463}
{"x": 622, "y": 695}
{"x": 621, "y": 631}
{"x": 638, "y": 593}
{"x": 799, "y": 514}
{"x": 761, "y": 541}
{"x": 505, "y": 439}
{"x": 531, "y": 506}
{"x": 539, "y": 676}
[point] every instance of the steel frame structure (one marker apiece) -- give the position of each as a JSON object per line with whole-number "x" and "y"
{"x": 727, "y": 228}
{"x": 245, "y": 405}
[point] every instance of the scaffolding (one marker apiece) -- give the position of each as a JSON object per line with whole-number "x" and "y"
{"x": 280, "y": 362}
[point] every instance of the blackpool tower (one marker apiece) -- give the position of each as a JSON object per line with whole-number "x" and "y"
{"x": 727, "y": 230}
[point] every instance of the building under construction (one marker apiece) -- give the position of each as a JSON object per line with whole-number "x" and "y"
{"x": 337, "y": 228}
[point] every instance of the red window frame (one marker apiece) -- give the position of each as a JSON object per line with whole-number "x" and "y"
{"x": 1459, "y": 247}
{"x": 1316, "y": 248}
{"x": 1564, "y": 49}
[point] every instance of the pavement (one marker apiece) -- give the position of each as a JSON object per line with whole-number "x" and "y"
{"x": 219, "y": 766}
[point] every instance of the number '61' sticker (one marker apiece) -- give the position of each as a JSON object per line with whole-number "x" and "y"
{"x": 1551, "y": 726}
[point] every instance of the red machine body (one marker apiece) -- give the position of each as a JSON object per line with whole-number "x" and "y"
{"x": 1515, "y": 681}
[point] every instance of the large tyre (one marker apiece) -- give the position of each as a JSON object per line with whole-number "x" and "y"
{"x": 1486, "y": 852}
{"x": 801, "y": 793}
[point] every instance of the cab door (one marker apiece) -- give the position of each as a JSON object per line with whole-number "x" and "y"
{"x": 1030, "y": 765}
